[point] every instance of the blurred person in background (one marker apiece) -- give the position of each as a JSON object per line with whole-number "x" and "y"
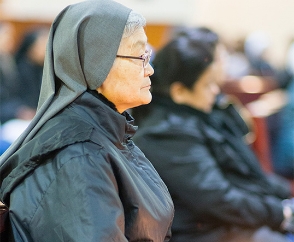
{"x": 227, "y": 110}
{"x": 29, "y": 59}
{"x": 219, "y": 190}
{"x": 256, "y": 48}
{"x": 21, "y": 76}
{"x": 283, "y": 144}
{"x": 236, "y": 62}
{"x": 274, "y": 81}
{"x": 9, "y": 100}
{"x": 9, "y": 79}
{"x": 75, "y": 173}
{"x": 286, "y": 75}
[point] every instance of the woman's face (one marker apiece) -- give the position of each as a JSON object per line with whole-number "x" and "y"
{"x": 128, "y": 84}
{"x": 204, "y": 91}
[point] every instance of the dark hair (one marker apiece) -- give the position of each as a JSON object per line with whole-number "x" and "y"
{"x": 28, "y": 41}
{"x": 201, "y": 34}
{"x": 183, "y": 59}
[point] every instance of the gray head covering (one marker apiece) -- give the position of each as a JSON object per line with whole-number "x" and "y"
{"x": 83, "y": 43}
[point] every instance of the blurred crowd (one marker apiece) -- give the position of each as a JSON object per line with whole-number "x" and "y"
{"x": 196, "y": 136}
{"x": 261, "y": 90}
{"x": 245, "y": 60}
{"x": 21, "y": 75}
{"x": 242, "y": 61}
{"x": 248, "y": 62}
{"x": 21, "y": 70}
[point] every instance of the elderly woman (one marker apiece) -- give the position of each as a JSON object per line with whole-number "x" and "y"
{"x": 75, "y": 173}
{"x": 218, "y": 188}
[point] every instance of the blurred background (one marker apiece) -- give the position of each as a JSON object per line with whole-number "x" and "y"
{"x": 257, "y": 35}
{"x": 232, "y": 19}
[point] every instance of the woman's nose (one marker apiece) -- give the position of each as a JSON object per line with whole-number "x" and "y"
{"x": 148, "y": 71}
{"x": 216, "y": 89}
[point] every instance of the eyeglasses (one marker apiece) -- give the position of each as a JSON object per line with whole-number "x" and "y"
{"x": 145, "y": 57}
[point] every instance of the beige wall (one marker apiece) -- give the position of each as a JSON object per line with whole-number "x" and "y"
{"x": 232, "y": 18}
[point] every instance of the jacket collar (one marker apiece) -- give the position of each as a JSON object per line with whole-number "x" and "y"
{"x": 96, "y": 109}
{"x": 177, "y": 108}
{"x": 90, "y": 113}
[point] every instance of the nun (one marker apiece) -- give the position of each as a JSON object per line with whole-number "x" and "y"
{"x": 75, "y": 173}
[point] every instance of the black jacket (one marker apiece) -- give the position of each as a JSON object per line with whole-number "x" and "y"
{"x": 85, "y": 180}
{"x": 214, "y": 179}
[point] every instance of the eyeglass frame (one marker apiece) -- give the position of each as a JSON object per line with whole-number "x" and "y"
{"x": 144, "y": 57}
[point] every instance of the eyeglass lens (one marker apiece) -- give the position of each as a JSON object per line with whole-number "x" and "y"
{"x": 147, "y": 58}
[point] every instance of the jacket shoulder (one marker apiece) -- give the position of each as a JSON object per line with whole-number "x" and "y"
{"x": 56, "y": 134}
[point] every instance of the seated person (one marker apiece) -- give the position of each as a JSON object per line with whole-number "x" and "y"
{"x": 283, "y": 145}
{"x": 219, "y": 190}
{"x": 9, "y": 87}
{"x": 283, "y": 142}
{"x": 75, "y": 174}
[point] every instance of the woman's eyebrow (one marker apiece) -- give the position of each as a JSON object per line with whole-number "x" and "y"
{"x": 141, "y": 43}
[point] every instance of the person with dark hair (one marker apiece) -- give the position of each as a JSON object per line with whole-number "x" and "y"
{"x": 75, "y": 173}
{"x": 21, "y": 87}
{"x": 219, "y": 190}
{"x": 29, "y": 60}
{"x": 9, "y": 90}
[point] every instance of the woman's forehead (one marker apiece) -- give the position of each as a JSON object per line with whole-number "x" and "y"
{"x": 136, "y": 42}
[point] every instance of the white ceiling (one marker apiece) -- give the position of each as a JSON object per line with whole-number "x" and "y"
{"x": 230, "y": 18}
{"x": 159, "y": 11}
